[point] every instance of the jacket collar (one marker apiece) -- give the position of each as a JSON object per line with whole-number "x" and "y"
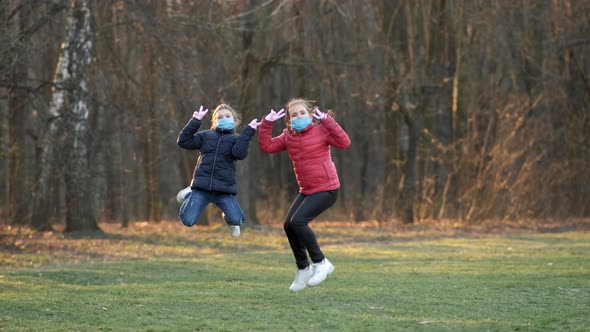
{"x": 223, "y": 131}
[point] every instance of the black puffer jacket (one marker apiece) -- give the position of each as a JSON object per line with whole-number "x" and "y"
{"x": 216, "y": 166}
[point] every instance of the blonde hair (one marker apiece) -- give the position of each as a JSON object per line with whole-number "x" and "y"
{"x": 308, "y": 104}
{"x": 224, "y": 107}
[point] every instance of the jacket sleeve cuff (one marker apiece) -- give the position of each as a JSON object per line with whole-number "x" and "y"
{"x": 248, "y": 131}
{"x": 195, "y": 121}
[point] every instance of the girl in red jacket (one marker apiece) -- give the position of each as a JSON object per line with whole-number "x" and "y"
{"x": 308, "y": 145}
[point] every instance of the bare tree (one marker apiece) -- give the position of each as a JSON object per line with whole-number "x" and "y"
{"x": 468, "y": 110}
{"x": 69, "y": 125}
{"x": 16, "y": 121}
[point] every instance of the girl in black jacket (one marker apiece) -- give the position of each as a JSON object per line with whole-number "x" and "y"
{"x": 214, "y": 179}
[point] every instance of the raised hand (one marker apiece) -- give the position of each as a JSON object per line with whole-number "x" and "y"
{"x": 254, "y": 124}
{"x": 319, "y": 115}
{"x": 273, "y": 116}
{"x": 200, "y": 113}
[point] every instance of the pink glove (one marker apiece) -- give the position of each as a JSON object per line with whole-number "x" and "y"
{"x": 273, "y": 116}
{"x": 200, "y": 113}
{"x": 319, "y": 115}
{"x": 254, "y": 124}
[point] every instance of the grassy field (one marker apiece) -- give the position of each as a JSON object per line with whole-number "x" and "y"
{"x": 166, "y": 277}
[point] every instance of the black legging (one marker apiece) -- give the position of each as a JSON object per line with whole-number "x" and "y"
{"x": 301, "y": 238}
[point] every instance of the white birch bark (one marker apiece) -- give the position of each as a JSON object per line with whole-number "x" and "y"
{"x": 79, "y": 202}
{"x": 69, "y": 117}
{"x": 48, "y": 165}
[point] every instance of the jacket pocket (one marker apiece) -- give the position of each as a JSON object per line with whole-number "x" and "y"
{"x": 329, "y": 169}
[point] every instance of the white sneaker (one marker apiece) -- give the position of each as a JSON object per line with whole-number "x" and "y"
{"x": 301, "y": 279}
{"x": 235, "y": 230}
{"x": 181, "y": 196}
{"x": 321, "y": 271}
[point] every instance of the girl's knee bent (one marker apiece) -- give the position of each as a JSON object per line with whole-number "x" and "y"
{"x": 297, "y": 220}
{"x": 235, "y": 221}
{"x": 292, "y": 224}
{"x": 186, "y": 222}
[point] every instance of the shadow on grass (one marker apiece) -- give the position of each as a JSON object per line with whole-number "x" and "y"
{"x": 143, "y": 240}
{"x": 128, "y": 273}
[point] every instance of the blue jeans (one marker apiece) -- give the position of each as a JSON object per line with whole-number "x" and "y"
{"x": 197, "y": 200}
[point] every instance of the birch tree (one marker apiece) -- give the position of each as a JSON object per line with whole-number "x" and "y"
{"x": 68, "y": 123}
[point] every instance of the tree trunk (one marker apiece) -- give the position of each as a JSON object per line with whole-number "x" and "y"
{"x": 251, "y": 77}
{"x": 80, "y": 211}
{"x": 408, "y": 196}
{"x": 411, "y": 110}
{"x": 147, "y": 120}
{"x": 17, "y": 209}
{"x": 390, "y": 155}
{"x": 44, "y": 193}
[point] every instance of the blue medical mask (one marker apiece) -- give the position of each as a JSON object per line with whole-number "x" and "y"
{"x": 225, "y": 123}
{"x": 300, "y": 123}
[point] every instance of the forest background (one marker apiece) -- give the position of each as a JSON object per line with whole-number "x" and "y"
{"x": 466, "y": 110}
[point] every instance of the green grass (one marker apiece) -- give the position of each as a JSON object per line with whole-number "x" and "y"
{"x": 179, "y": 279}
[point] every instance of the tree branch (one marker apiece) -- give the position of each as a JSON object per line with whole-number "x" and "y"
{"x": 573, "y": 43}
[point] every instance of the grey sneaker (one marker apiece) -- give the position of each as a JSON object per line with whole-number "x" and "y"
{"x": 320, "y": 272}
{"x": 301, "y": 279}
{"x": 181, "y": 196}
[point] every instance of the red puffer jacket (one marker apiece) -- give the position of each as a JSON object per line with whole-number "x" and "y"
{"x": 309, "y": 151}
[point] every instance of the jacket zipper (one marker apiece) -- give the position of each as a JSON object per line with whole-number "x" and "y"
{"x": 214, "y": 162}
